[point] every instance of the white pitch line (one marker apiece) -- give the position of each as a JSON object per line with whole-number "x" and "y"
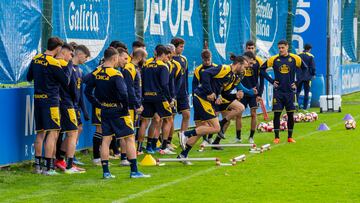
{"x": 139, "y": 194}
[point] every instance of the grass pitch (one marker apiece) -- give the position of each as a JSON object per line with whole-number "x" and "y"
{"x": 320, "y": 167}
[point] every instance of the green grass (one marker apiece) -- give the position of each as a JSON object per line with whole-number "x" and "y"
{"x": 320, "y": 167}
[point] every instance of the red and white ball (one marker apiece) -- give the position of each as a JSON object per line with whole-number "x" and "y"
{"x": 285, "y": 117}
{"x": 262, "y": 127}
{"x": 301, "y": 116}
{"x": 283, "y": 125}
{"x": 308, "y": 117}
{"x": 315, "y": 116}
{"x": 350, "y": 124}
{"x": 297, "y": 118}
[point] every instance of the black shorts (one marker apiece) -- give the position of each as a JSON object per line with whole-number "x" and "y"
{"x": 182, "y": 104}
{"x": 118, "y": 127}
{"x": 226, "y": 100}
{"x": 203, "y": 109}
{"x": 78, "y": 116}
{"x": 96, "y": 116}
{"x": 163, "y": 109}
{"x": 283, "y": 100}
{"x": 68, "y": 119}
{"x": 46, "y": 117}
{"x": 249, "y": 101}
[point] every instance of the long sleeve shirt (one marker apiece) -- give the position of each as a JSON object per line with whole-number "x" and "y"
{"x": 155, "y": 82}
{"x": 253, "y": 78}
{"x": 48, "y": 77}
{"x": 306, "y": 73}
{"x": 106, "y": 89}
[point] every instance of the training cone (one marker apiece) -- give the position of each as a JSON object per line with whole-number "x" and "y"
{"x": 323, "y": 127}
{"x": 158, "y": 144}
{"x": 148, "y": 161}
{"x": 348, "y": 117}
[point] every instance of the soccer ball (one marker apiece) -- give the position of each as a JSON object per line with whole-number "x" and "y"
{"x": 297, "y": 118}
{"x": 285, "y": 117}
{"x": 262, "y": 127}
{"x": 315, "y": 116}
{"x": 283, "y": 125}
{"x": 301, "y": 117}
{"x": 308, "y": 117}
{"x": 350, "y": 124}
{"x": 270, "y": 126}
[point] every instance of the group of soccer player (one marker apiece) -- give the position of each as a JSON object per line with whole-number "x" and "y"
{"x": 133, "y": 95}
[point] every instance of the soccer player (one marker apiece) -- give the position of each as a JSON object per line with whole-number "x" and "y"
{"x": 175, "y": 81}
{"x": 156, "y": 94}
{"x": 133, "y": 79}
{"x": 136, "y": 45}
{"x": 182, "y": 99}
{"x": 68, "y": 117}
{"x": 206, "y": 96}
{"x": 48, "y": 76}
{"x": 206, "y": 57}
{"x": 231, "y": 108}
{"x": 285, "y": 65}
{"x": 252, "y": 79}
{"x": 304, "y": 75}
{"x": 110, "y": 94}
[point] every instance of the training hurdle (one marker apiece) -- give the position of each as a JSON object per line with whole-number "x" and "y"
{"x": 159, "y": 161}
{"x": 266, "y": 147}
{"x": 202, "y": 147}
{"x": 240, "y": 158}
{"x": 260, "y": 150}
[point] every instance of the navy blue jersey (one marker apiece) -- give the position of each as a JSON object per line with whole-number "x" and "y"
{"x": 183, "y": 90}
{"x": 106, "y": 89}
{"x": 197, "y": 71}
{"x": 175, "y": 78}
{"x": 155, "y": 82}
{"x": 214, "y": 80}
{"x": 252, "y": 77}
{"x": 304, "y": 74}
{"x": 48, "y": 77}
{"x": 130, "y": 75}
{"x": 79, "y": 103}
{"x": 285, "y": 68}
{"x": 68, "y": 96}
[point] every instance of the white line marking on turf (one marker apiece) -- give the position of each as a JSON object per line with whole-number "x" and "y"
{"x": 139, "y": 194}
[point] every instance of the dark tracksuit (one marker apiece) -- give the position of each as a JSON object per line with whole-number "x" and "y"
{"x": 304, "y": 76}
{"x": 183, "y": 93}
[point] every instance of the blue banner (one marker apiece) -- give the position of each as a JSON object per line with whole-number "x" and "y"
{"x": 350, "y": 76}
{"x": 17, "y": 124}
{"x": 94, "y": 24}
{"x": 271, "y": 18}
{"x": 166, "y": 19}
{"x": 229, "y": 28}
{"x": 311, "y": 18}
{"x": 20, "y": 31}
{"x": 349, "y": 24}
{"x": 335, "y": 45}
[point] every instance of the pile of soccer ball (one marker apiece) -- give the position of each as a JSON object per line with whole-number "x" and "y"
{"x": 300, "y": 117}
{"x": 308, "y": 117}
{"x": 350, "y": 124}
{"x": 269, "y": 127}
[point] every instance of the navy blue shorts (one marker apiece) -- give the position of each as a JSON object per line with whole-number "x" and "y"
{"x": 249, "y": 101}
{"x": 46, "y": 117}
{"x": 78, "y": 116}
{"x": 283, "y": 100}
{"x": 68, "y": 119}
{"x": 163, "y": 109}
{"x": 96, "y": 116}
{"x": 203, "y": 109}
{"x": 118, "y": 127}
{"x": 226, "y": 100}
{"x": 182, "y": 104}
{"x": 135, "y": 118}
